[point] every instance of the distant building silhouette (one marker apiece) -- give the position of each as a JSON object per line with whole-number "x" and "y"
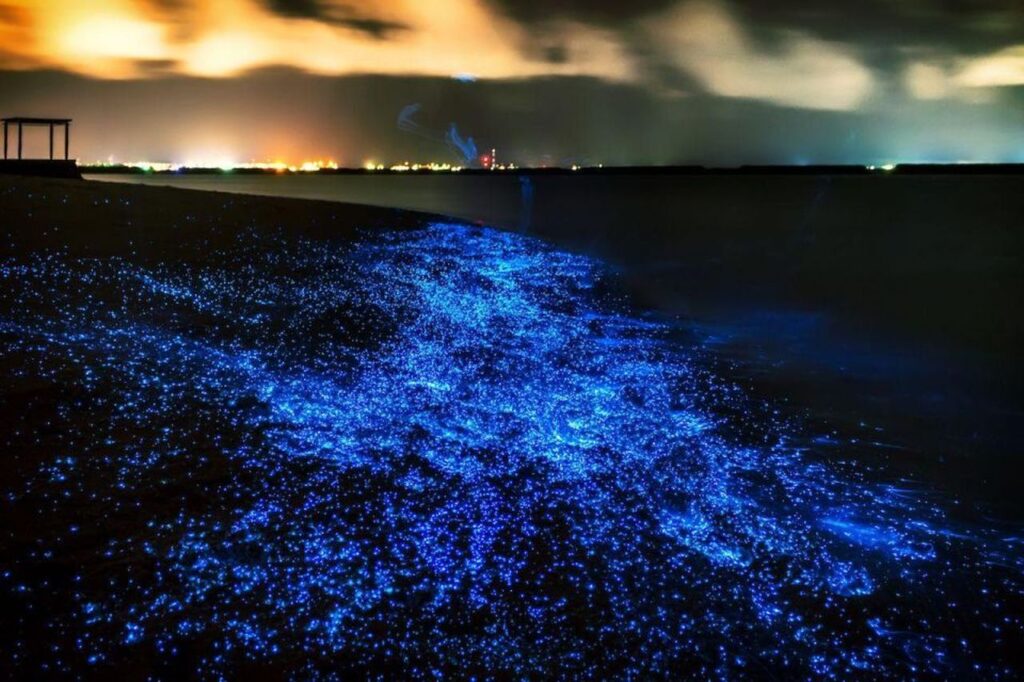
{"x": 61, "y": 168}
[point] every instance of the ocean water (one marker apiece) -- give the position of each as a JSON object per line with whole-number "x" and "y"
{"x": 881, "y": 299}
{"x": 602, "y": 427}
{"x": 452, "y": 450}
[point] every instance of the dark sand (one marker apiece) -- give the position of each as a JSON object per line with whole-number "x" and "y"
{"x": 157, "y": 224}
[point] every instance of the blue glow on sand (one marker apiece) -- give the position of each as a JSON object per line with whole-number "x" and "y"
{"x": 446, "y": 450}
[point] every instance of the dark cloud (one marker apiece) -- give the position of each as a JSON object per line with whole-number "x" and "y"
{"x": 883, "y": 36}
{"x": 337, "y": 15}
{"x": 610, "y": 12}
{"x": 962, "y": 25}
{"x": 373, "y": 27}
{"x": 556, "y": 54}
{"x": 310, "y": 9}
{"x": 14, "y": 16}
{"x": 169, "y": 5}
{"x": 668, "y": 114}
{"x": 874, "y": 26}
{"x": 155, "y": 67}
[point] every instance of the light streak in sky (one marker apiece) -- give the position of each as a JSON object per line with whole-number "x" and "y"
{"x": 464, "y": 148}
{"x": 225, "y": 38}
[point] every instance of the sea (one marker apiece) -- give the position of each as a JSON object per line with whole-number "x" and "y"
{"x": 639, "y": 426}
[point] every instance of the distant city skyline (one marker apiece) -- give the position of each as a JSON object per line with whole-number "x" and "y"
{"x": 713, "y": 82}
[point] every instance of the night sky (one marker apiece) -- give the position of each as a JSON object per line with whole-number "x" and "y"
{"x": 544, "y": 81}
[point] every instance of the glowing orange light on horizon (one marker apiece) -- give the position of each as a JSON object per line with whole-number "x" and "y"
{"x": 226, "y": 165}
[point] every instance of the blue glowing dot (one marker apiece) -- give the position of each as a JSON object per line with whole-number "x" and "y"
{"x": 450, "y": 449}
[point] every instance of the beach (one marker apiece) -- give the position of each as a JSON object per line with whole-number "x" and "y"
{"x": 933, "y": 258}
{"x": 267, "y": 435}
{"x": 94, "y": 220}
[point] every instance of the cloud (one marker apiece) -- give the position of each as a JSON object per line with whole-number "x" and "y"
{"x": 337, "y": 14}
{"x": 880, "y": 32}
{"x": 927, "y": 81}
{"x": 310, "y": 9}
{"x": 15, "y": 23}
{"x": 967, "y": 78}
{"x": 707, "y": 41}
{"x": 117, "y": 38}
{"x": 999, "y": 69}
{"x": 78, "y": 36}
{"x": 790, "y": 53}
{"x": 610, "y": 13}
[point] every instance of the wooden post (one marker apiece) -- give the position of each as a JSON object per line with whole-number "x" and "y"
{"x": 19, "y": 140}
{"x": 51, "y": 142}
{"x": 67, "y": 139}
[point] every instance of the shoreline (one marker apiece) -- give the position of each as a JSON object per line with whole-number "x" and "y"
{"x": 814, "y": 351}
{"x": 936, "y": 262}
{"x": 924, "y": 259}
{"x": 123, "y": 218}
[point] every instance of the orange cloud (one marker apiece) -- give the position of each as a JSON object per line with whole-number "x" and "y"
{"x": 115, "y": 38}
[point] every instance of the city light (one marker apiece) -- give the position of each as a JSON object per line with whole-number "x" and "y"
{"x": 488, "y": 162}
{"x": 224, "y": 165}
{"x": 407, "y": 166}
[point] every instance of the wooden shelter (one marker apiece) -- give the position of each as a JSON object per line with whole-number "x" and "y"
{"x": 51, "y": 123}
